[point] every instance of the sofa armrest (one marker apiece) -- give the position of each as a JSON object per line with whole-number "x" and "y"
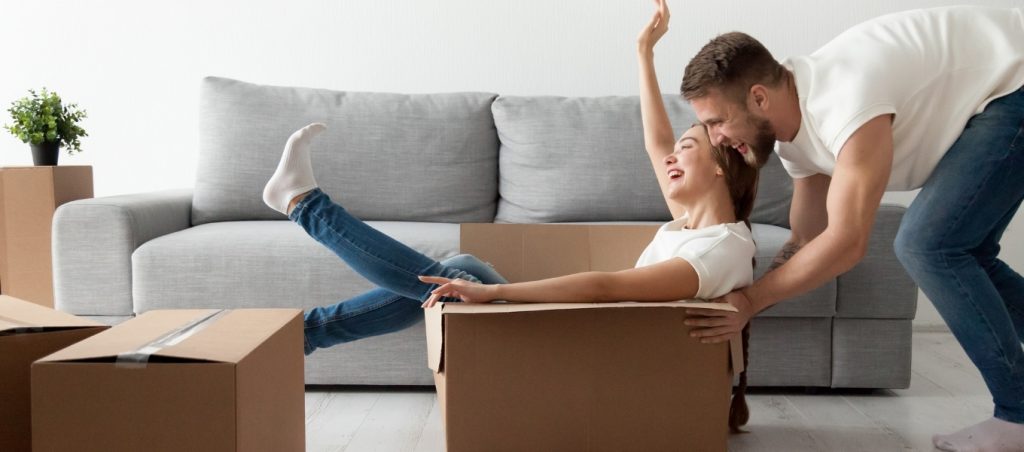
{"x": 93, "y": 242}
{"x": 878, "y": 287}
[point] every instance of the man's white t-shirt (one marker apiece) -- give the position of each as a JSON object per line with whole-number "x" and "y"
{"x": 932, "y": 68}
{"x": 721, "y": 254}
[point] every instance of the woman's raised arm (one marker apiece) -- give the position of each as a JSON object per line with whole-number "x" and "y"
{"x": 659, "y": 139}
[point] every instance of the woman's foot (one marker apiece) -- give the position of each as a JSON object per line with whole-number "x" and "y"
{"x": 294, "y": 175}
{"x": 992, "y": 435}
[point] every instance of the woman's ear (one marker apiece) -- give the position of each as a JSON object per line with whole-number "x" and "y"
{"x": 718, "y": 171}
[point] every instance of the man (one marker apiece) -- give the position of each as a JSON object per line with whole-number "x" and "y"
{"x": 930, "y": 99}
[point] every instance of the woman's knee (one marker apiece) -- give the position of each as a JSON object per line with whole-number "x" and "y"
{"x": 474, "y": 266}
{"x": 462, "y": 261}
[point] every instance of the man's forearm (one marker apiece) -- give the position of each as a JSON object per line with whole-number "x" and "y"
{"x": 799, "y": 269}
{"x": 786, "y": 253}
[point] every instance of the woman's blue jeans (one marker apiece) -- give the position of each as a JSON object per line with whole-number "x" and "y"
{"x": 949, "y": 243}
{"x": 391, "y": 265}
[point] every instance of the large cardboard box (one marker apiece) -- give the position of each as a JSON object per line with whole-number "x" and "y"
{"x": 29, "y": 332}
{"x": 29, "y": 196}
{"x": 176, "y": 380}
{"x": 574, "y": 376}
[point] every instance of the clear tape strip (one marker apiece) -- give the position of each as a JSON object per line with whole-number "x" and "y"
{"x": 138, "y": 358}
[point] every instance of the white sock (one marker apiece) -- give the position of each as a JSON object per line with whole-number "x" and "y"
{"x": 294, "y": 174}
{"x": 992, "y": 435}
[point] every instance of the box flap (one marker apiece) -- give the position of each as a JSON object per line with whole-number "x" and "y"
{"x": 435, "y": 336}
{"x": 221, "y": 336}
{"x": 16, "y": 314}
{"x": 736, "y": 355}
{"x": 491, "y": 308}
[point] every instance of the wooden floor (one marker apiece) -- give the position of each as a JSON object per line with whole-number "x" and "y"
{"x": 945, "y": 394}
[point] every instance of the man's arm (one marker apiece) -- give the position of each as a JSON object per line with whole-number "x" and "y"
{"x": 808, "y": 215}
{"x": 856, "y": 189}
{"x": 853, "y": 195}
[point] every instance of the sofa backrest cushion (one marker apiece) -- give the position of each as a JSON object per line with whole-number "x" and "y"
{"x": 403, "y": 157}
{"x": 577, "y": 159}
{"x": 583, "y": 159}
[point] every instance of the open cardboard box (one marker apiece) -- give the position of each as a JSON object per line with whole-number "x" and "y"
{"x": 176, "y": 380}
{"x": 29, "y": 332}
{"x": 575, "y": 376}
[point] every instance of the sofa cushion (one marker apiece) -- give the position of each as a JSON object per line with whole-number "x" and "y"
{"x": 583, "y": 159}
{"x": 578, "y": 159}
{"x": 774, "y": 194}
{"x": 402, "y": 157}
{"x": 261, "y": 264}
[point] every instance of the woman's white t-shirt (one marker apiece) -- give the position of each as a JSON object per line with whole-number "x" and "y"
{"x": 721, "y": 254}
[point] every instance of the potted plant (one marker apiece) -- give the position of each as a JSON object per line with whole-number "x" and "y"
{"x": 42, "y": 121}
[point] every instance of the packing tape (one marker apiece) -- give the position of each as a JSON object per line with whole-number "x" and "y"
{"x": 138, "y": 358}
{"x": 20, "y": 326}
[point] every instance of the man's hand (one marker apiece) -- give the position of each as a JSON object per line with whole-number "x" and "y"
{"x": 654, "y": 30}
{"x": 712, "y": 326}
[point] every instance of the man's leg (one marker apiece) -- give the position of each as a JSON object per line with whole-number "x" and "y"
{"x": 944, "y": 243}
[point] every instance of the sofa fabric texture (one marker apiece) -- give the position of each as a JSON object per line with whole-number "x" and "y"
{"x": 414, "y": 166}
{"x": 402, "y": 157}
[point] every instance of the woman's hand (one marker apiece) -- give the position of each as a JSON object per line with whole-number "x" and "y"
{"x": 654, "y": 30}
{"x": 467, "y": 291}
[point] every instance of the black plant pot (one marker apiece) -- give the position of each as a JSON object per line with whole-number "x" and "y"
{"x": 45, "y": 153}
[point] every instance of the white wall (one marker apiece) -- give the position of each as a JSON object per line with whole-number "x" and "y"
{"x": 136, "y": 65}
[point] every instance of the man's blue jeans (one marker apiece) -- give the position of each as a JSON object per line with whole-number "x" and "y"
{"x": 391, "y": 265}
{"x": 949, "y": 243}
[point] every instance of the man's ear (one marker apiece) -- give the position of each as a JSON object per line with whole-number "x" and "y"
{"x": 758, "y": 98}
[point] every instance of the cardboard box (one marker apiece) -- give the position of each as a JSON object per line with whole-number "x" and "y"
{"x": 574, "y": 376}
{"x": 176, "y": 380}
{"x": 29, "y": 332}
{"x": 29, "y": 196}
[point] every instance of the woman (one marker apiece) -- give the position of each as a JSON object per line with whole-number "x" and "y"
{"x": 705, "y": 252}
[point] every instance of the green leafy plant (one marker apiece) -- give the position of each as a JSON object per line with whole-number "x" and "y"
{"x": 42, "y": 118}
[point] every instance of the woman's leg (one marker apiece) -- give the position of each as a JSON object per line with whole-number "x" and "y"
{"x": 379, "y": 311}
{"x": 383, "y": 260}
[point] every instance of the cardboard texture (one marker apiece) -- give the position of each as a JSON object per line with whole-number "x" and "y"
{"x": 29, "y": 332}
{"x": 215, "y": 381}
{"x": 28, "y": 198}
{"x": 574, "y": 376}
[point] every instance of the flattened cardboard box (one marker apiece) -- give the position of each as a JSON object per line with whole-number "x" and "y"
{"x": 29, "y": 195}
{"x": 574, "y": 376}
{"x": 29, "y": 332}
{"x": 213, "y": 381}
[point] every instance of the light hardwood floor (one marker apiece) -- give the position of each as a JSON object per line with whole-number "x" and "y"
{"x": 946, "y": 393}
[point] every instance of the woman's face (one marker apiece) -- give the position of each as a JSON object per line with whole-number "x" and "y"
{"x": 692, "y": 172}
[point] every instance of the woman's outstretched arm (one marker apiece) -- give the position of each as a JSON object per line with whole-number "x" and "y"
{"x": 671, "y": 280}
{"x": 659, "y": 139}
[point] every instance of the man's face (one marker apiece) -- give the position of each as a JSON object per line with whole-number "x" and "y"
{"x": 732, "y": 124}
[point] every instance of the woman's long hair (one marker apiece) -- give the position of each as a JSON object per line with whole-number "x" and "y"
{"x": 741, "y": 178}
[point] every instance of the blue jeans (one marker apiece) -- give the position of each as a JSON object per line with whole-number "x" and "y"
{"x": 949, "y": 243}
{"x": 391, "y": 265}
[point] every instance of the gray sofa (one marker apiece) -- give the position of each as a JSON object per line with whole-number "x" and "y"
{"x": 415, "y": 166}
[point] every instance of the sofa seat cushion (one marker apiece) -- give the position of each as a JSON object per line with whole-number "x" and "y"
{"x": 395, "y": 157}
{"x": 261, "y": 264}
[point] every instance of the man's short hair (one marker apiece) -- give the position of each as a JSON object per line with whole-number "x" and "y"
{"x": 731, "y": 63}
